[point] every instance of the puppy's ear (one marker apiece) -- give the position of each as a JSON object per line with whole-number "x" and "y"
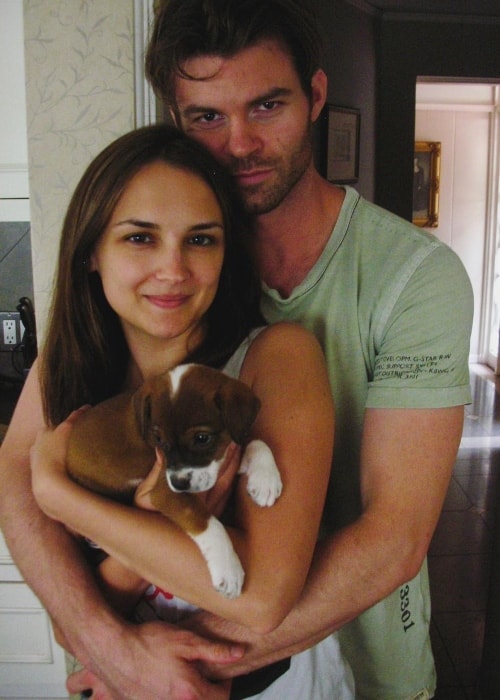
{"x": 239, "y": 407}
{"x": 151, "y": 403}
{"x": 141, "y": 402}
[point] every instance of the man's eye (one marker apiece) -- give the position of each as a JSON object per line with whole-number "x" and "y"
{"x": 208, "y": 119}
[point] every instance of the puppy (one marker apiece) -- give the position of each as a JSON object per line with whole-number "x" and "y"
{"x": 190, "y": 415}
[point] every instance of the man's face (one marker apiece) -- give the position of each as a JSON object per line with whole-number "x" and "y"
{"x": 251, "y": 112}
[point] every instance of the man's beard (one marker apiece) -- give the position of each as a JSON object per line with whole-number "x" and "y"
{"x": 262, "y": 198}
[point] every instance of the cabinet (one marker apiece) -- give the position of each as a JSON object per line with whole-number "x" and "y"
{"x": 14, "y": 188}
{"x": 32, "y": 664}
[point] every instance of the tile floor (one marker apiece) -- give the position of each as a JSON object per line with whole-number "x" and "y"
{"x": 460, "y": 555}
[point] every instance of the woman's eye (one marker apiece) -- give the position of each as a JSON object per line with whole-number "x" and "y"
{"x": 139, "y": 238}
{"x": 201, "y": 239}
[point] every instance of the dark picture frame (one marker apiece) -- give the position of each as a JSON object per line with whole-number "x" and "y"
{"x": 342, "y": 130}
{"x": 426, "y": 181}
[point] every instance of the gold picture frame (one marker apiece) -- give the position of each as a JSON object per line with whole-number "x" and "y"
{"x": 426, "y": 181}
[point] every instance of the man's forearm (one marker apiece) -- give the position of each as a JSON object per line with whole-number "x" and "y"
{"x": 344, "y": 580}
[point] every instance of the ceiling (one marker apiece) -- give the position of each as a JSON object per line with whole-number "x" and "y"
{"x": 477, "y": 8}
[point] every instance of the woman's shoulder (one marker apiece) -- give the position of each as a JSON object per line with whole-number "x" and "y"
{"x": 282, "y": 334}
{"x": 282, "y": 345}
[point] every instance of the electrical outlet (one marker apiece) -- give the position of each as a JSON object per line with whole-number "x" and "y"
{"x": 10, "y": 329}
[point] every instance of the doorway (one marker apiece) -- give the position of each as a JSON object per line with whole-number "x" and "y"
{"x": 464, "y": 118}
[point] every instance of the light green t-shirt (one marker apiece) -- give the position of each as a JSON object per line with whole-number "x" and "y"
{"x": 392, "y": 307}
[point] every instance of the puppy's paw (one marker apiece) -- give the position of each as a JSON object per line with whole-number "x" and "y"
{"x": 263, "y": 478}
{"x": 228, "y": 583}
{"x": 223, "y": 563}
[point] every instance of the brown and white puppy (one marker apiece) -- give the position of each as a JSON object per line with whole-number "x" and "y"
{"x": 190, "y": 415}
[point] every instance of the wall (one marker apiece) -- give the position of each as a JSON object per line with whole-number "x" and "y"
{"x": 408, "y": 49}
{"x": 16, "y": 281}
{"x": 349, "y": 39}
{"x": 13, "y": 145}
{"x": 80, "y": 96}
{"x": 15, "y": 250}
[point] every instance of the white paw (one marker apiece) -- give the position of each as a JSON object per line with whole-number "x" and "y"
{"x": 263, "y": 478}
{"x": 223, "y": 563}
{"x": 228, "y": 583}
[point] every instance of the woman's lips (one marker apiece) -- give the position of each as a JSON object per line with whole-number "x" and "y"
{"x": 167, "y": 301}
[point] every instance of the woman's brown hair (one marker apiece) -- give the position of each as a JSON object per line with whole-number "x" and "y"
{"x": 85, "y": 355}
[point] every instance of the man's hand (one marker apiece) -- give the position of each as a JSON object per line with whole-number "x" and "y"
{"x": 162, "y": 663}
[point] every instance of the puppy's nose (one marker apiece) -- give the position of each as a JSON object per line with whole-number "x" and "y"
{"x": 180, "y": 483}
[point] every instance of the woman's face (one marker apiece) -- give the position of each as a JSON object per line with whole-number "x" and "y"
{"x": 161, "y": 255}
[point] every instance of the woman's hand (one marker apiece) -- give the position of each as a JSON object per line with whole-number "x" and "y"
{"x": 215, "y": 499}
{"x": 48, "y": 462}
{"x": 142, "y": 497}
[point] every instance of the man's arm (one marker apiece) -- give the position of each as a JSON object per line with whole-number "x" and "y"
{"x": 126, "y": 657}
{"x": 407, "y": 460}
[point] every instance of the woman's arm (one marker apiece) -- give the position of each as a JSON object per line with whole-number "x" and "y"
{"x": 146, "y": 660}
{"x": 286, "y": 369}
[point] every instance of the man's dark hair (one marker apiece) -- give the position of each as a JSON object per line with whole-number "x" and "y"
{"x": 184, "y": 29}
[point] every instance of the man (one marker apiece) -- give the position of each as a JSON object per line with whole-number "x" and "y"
{"x": 392, "y": 309}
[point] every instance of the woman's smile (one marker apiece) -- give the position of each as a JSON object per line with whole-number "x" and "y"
{"x": 161, "y": 255}
{"x": 167, "y": 301}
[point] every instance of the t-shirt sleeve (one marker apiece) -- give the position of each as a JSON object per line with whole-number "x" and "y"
{"x": 422, "y": 347}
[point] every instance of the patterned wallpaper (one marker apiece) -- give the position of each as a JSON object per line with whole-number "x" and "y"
{"x": 80, "y": 96}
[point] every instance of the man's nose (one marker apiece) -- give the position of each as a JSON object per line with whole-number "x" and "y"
{"x": 244, "y": 139}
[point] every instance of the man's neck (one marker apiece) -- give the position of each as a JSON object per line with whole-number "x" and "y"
{"x": 290, "y": 239}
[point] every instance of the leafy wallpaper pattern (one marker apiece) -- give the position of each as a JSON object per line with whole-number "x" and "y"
{"x": 80, "y": 96}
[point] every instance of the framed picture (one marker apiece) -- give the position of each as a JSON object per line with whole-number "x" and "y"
{"x": 426, "y": 173}
{"x": 342, "y": 144}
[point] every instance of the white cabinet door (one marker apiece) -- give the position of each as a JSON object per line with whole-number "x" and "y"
{"x": 14, "y": 188}
{"x": 31, "y": 662}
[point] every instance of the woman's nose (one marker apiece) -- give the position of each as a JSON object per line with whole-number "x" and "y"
{"x": 171, "y": 265}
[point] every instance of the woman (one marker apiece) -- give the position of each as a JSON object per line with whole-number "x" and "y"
{"x": 153, "y": 272}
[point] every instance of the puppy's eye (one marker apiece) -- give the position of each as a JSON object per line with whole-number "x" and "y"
{"x": 202, "y": 439}
{"x": 158, "y": 437}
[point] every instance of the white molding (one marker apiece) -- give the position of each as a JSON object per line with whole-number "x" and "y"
{"x": 492, "y": 241}
{"x": 461, "y": 107}
{"x": 14, "y": 182}
{"x": 15, "y": 209}
{"x": 480, "y": 442}
{"x": 145, "y": 100}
